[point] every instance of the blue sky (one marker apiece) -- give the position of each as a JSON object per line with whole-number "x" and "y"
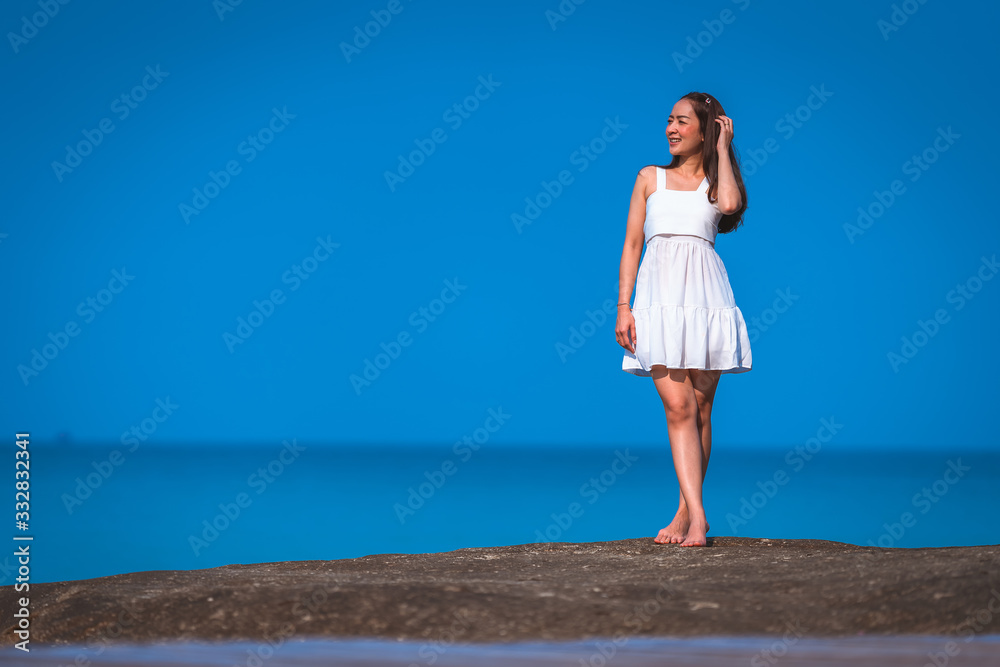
{"x": 185, "y": 166}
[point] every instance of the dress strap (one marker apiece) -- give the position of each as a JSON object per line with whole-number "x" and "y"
{"x": 661, "y": 178}
{"x": 704, "y": 185}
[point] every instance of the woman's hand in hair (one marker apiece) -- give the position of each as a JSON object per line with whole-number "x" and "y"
{"x": 725, "y": 134}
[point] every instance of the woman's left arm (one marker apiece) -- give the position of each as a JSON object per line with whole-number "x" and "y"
{"x": 729, "y": 200}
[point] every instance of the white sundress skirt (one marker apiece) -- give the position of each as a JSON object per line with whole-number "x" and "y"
{"x": 684, "y": 309}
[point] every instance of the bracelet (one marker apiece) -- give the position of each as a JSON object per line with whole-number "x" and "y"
{"x": 624, "y": 303}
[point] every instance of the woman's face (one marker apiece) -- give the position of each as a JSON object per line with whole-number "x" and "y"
{"x": 683, "y": 130}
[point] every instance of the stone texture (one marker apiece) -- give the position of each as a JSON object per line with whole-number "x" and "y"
{"x": 735, "y": 586}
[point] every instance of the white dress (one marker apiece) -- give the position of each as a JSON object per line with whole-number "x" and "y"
{"x": 684, "y": 309}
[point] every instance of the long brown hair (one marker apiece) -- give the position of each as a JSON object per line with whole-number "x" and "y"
{"x": 707, "y": 113}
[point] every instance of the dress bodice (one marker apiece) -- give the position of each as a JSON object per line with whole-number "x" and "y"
{"x": 680, "y": 211}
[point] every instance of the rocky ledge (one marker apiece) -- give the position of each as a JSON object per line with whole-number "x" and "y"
{"x": 735, "y": 586}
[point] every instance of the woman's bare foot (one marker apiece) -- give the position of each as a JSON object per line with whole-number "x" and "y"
{"x": 696, "y": 535}
{"x": 677, "y": 530}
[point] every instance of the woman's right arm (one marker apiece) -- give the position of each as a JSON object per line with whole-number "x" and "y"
{"x": 631, "y": 252}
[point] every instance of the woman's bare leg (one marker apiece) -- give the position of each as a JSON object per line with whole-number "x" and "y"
{"x": 705, "y": 384}
{"x": 676, "y": 390}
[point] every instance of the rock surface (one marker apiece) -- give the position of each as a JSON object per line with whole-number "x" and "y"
{"x": 635, "y": 587}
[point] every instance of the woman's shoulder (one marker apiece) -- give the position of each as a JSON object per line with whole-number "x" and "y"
{"x": 647, "y": 175}
{"x": 646, "y": 178}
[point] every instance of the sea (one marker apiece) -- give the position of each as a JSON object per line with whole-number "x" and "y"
{"x": 98, "y": 510}
{"x": 103, "y": 510}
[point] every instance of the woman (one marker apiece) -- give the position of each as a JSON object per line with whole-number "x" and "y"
{"x": 685, "y": 329}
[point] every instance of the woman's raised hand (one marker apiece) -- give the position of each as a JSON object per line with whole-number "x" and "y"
{"x": 725, "y": 134}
